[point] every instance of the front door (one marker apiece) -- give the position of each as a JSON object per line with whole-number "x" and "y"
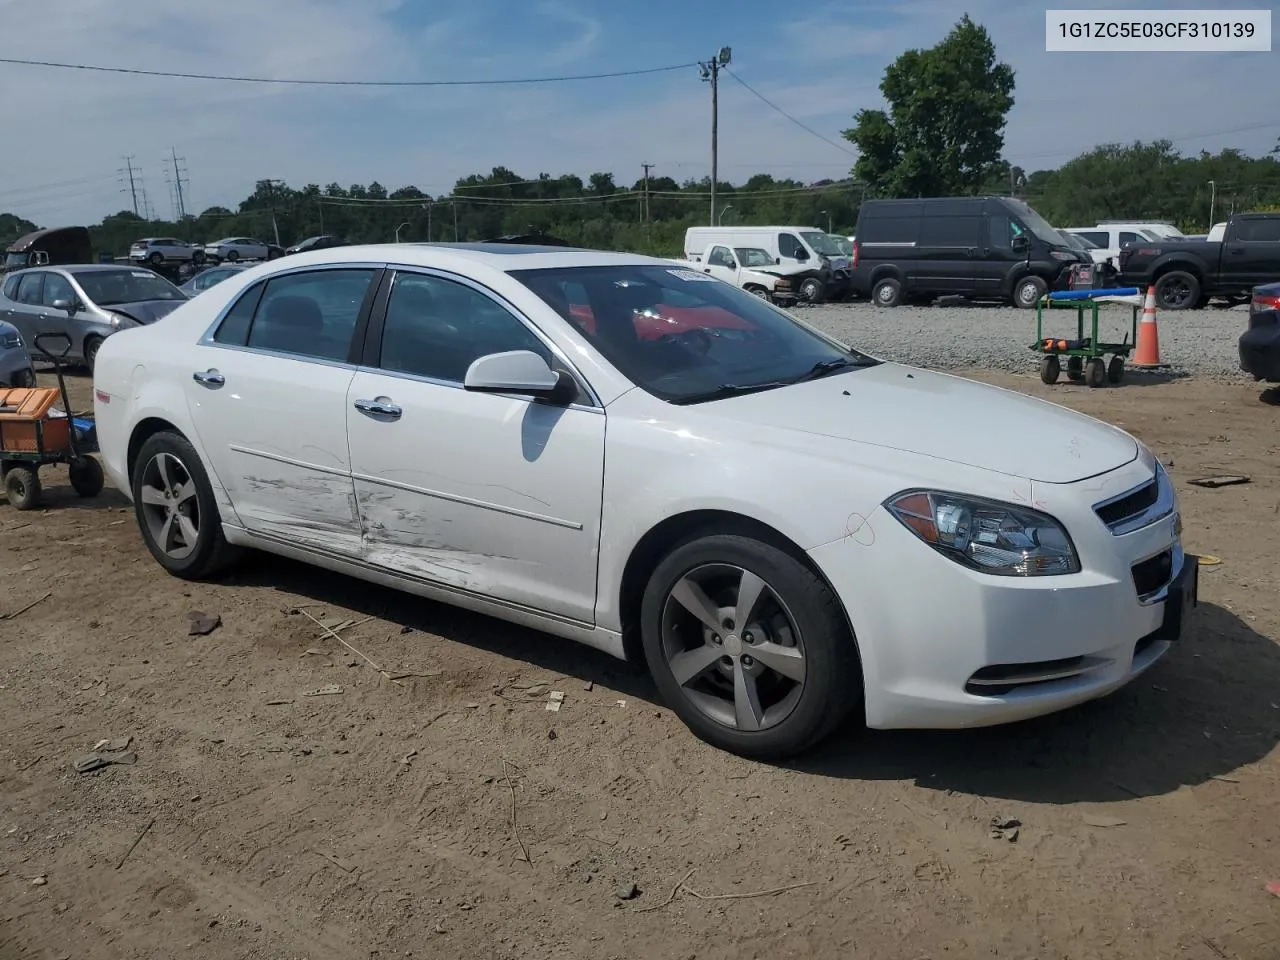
{"x": 493, "y": 495}
{"x": 268, "y": 395}
{"x": 722, "y": 265}
{"x": 997, "y": 256}
{"x": 26, "y": 307}
{"x": 1250, "y": 258}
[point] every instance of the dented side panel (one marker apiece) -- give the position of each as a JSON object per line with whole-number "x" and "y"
{"x": 491, "y": 494}
{"x": 275, "y": 433}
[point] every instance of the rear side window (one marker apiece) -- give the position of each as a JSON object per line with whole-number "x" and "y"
{"x": 1127, "y": 236}
{"x": 234, "y": 329}
{"x": 11, "y": 288}
{"x": 311, "y": 314}
{"x": 1099, "y": 238}
{"x": 949, "y": 231}
{"x": 1264, "y": 230}
{"x": 878, "y": 228}
{"x": 29, "y": 288}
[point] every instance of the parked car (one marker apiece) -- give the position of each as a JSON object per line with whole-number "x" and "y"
{"x": 1260, "y": 344}
{"x": 158, "y": 250}
{"x": 982, "y": 248}
{"x": 15, "y": 361}
{"x": 1186, "y": 273}
{"x": 785, "y": 530}
{"x": 211, "y": 276}
{"x": 241, "y": 248}
{"x": 323, "y": 242}
{"x": 51, "y": 247}
{"x": 89, "y": 303}
{"x": 810, "y": 258}
{"x": 753, "y": 269}
{"x": 1108, "y": 240}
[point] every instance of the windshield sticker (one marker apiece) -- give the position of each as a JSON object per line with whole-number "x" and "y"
{"x": 691, "y": 275}
{"x": 143, "y": 275}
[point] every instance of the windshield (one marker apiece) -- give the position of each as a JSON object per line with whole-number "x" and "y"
{"x": 1078, "y": 242}
{"x": 845, "y": 245}
{"x": 15, "y": 260}
{"x": 110, "y": 287}
{"x": 754, "y": 257}
{"x": 1038, "y": 224}
{"x": 686, "y": 337}
{"x": 823, "y": 243}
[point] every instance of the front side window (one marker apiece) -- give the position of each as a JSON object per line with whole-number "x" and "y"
{"x": 683, "y": 336}
{"x": 57, "y": 287}
{"x": 311, "y": 314}
{"x": 1266, "y": 231}
{"x": 108, "y": 288}
{"x": 789, "y": 246}
{"x": 1127, "y": 236}
{"x": 720, "y": 257}
{"x": 436, "y": 328}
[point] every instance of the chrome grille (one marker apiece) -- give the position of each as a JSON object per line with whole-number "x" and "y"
{"x": 1138, "y": 507}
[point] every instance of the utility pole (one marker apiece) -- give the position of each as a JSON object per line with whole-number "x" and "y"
{"x": 129, "y": 172}
{"x": 644, "y": 211}
{"x": 178, "y": 181}
{"x": 271, "y": 193}
{"x": 710, "y": 71}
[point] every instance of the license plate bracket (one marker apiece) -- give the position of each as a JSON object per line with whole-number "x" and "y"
{"x": 1183, "y": 595}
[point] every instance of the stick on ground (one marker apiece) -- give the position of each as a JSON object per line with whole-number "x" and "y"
{"x": 17, "y": 613}
{"x": 137, "y": 840}
{"x": 330, "y": 632}
{"x": 515, "y": 830}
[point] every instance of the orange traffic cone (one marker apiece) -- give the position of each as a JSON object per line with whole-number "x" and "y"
{"x": 1147, "y": 350}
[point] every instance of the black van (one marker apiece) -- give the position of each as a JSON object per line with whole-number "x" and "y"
{"x": 982, "y": 248}
{"x": 52, "y": 247}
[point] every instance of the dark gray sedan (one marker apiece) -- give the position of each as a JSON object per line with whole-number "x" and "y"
{"x": 86, "y": 302}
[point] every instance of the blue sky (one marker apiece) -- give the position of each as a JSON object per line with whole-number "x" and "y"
{"x": 68, "y": 131}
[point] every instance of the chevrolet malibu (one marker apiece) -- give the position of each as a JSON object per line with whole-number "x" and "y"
{"x": 784, "y": 530}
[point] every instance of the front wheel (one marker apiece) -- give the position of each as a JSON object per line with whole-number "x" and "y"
{"x": 197, "y": 258}
{"x": 748, "y": 646}
{"x": 22, "y": 486}
{"x": 232, "y": 256}
{"x": 87, "y": 478}
{"x": 1029, "y": 291}
{"x": 811, "y": 290}
{"x": 156, "y": 258}
{"x": 91, "y": 346}
{"x": 760, "y": 292}
{"x": 176, "y": 511}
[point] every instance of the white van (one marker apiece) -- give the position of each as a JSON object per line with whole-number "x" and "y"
{"x": 1108, "y": 238}
{"x": 809, "y": 256}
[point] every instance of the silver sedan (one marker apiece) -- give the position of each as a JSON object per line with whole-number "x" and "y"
{"x": 86, "y": 302}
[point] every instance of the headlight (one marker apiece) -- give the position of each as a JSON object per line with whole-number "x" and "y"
{"x": 986, "y": 535}
{"x": 11, "y": 341}
{"x": 118, "y": 320}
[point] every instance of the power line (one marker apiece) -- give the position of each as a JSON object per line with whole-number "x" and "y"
{"x": 799, "y": 123}
{"x": 133, "y": 71}
{"x": 1077, "y": 152}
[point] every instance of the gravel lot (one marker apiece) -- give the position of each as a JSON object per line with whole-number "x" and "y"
{"x": 1199, "y": 342}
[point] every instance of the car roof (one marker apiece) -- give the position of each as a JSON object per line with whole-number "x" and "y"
{"x": 505, "y": 257}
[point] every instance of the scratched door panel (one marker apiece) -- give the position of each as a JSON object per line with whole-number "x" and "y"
{"x": 276, "y": 434}
{"x": 491, "y": 494}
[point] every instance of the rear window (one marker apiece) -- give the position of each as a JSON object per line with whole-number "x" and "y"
{"x": 889, "y": 225}
{"x": 1265, "y": 230}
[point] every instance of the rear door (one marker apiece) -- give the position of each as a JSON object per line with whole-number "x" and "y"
{"x": 27, "y": 306}
{"x": 1252, "y": 256}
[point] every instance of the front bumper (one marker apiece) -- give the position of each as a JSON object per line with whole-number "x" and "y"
{"x": 943, "y": 646}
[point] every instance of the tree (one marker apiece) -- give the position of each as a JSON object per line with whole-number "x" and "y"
{"x": 943, "y": 131}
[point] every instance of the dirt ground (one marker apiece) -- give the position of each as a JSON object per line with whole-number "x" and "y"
{"x": 450, "y": 814}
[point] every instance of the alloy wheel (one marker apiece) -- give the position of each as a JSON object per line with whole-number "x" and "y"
{"x": 170, "y": 507}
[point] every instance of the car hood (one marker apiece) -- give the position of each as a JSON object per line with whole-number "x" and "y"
{"x": 939, "y": 416}
{"x": 146, "y": 311}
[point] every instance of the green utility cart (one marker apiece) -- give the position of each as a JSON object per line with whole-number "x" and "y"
{"x": 1085, "y": 354}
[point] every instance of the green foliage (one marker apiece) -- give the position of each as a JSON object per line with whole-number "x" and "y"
{"x": 943, "y": 131}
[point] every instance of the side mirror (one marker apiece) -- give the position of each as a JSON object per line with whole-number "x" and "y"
{"x": 801, "y": 255}
{"x": 777, "y": 261}
{"x": 519, "y": 371}
{"x": 1019, "y": 244}
{"x": 69, "y": 306}
{"x": 40, "y": 258}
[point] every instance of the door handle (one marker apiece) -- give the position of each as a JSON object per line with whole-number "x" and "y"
{"x": 380, "y": 408}
{"x": 1236, "y": 251}
{"x": 209, "y": 378}
{"x": 706, "y": 269}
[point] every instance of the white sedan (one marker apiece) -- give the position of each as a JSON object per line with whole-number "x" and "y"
{"x": 654, "y": 463}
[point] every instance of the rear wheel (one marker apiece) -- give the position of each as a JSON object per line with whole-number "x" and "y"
{"x": 887, "y": 293}
{"x": 1075, "y": 369}
{"x": 1050, "y": 369}
{"x": 177, "y": 514}
{"x": 22, "y": 486}
{"x": 197, "y": 258}
{"x": 748, "y": 646}
{"x": 156, "y": 258}
{"x": 1095, "y": 372}
{"x": 1178, "y": 290}
{"x": 1115, "y": 369}
{"x": 87, "y": 478}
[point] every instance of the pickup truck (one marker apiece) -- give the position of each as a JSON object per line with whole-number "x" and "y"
{"x": 1187, "y": 273}
{"x": 750, "y": 268}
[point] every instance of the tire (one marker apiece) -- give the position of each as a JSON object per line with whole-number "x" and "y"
{"x": 87, "y": 478}
{"x": 1095, "y": 372}
{"x": 811, "y": 290}
{"x": 22, "y": 486}
{"x": 1050, "y": 368}
{"x": 1177, "y": 290}
{"x": 886, "y": 293}
{"x": 203, "y": 555}
{"x": 760, "y": 292}
{"x": 91, "y": 346}
{"x": 232, "y": 256}
{"x": 789, "y": 715}
{"x": 197, "y": 258}
{"x": 155, "y": 259}
{"x": 1028, "y": 291}
{"x": 1075, "y": 369}
{"x": 1115, "y": 370}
